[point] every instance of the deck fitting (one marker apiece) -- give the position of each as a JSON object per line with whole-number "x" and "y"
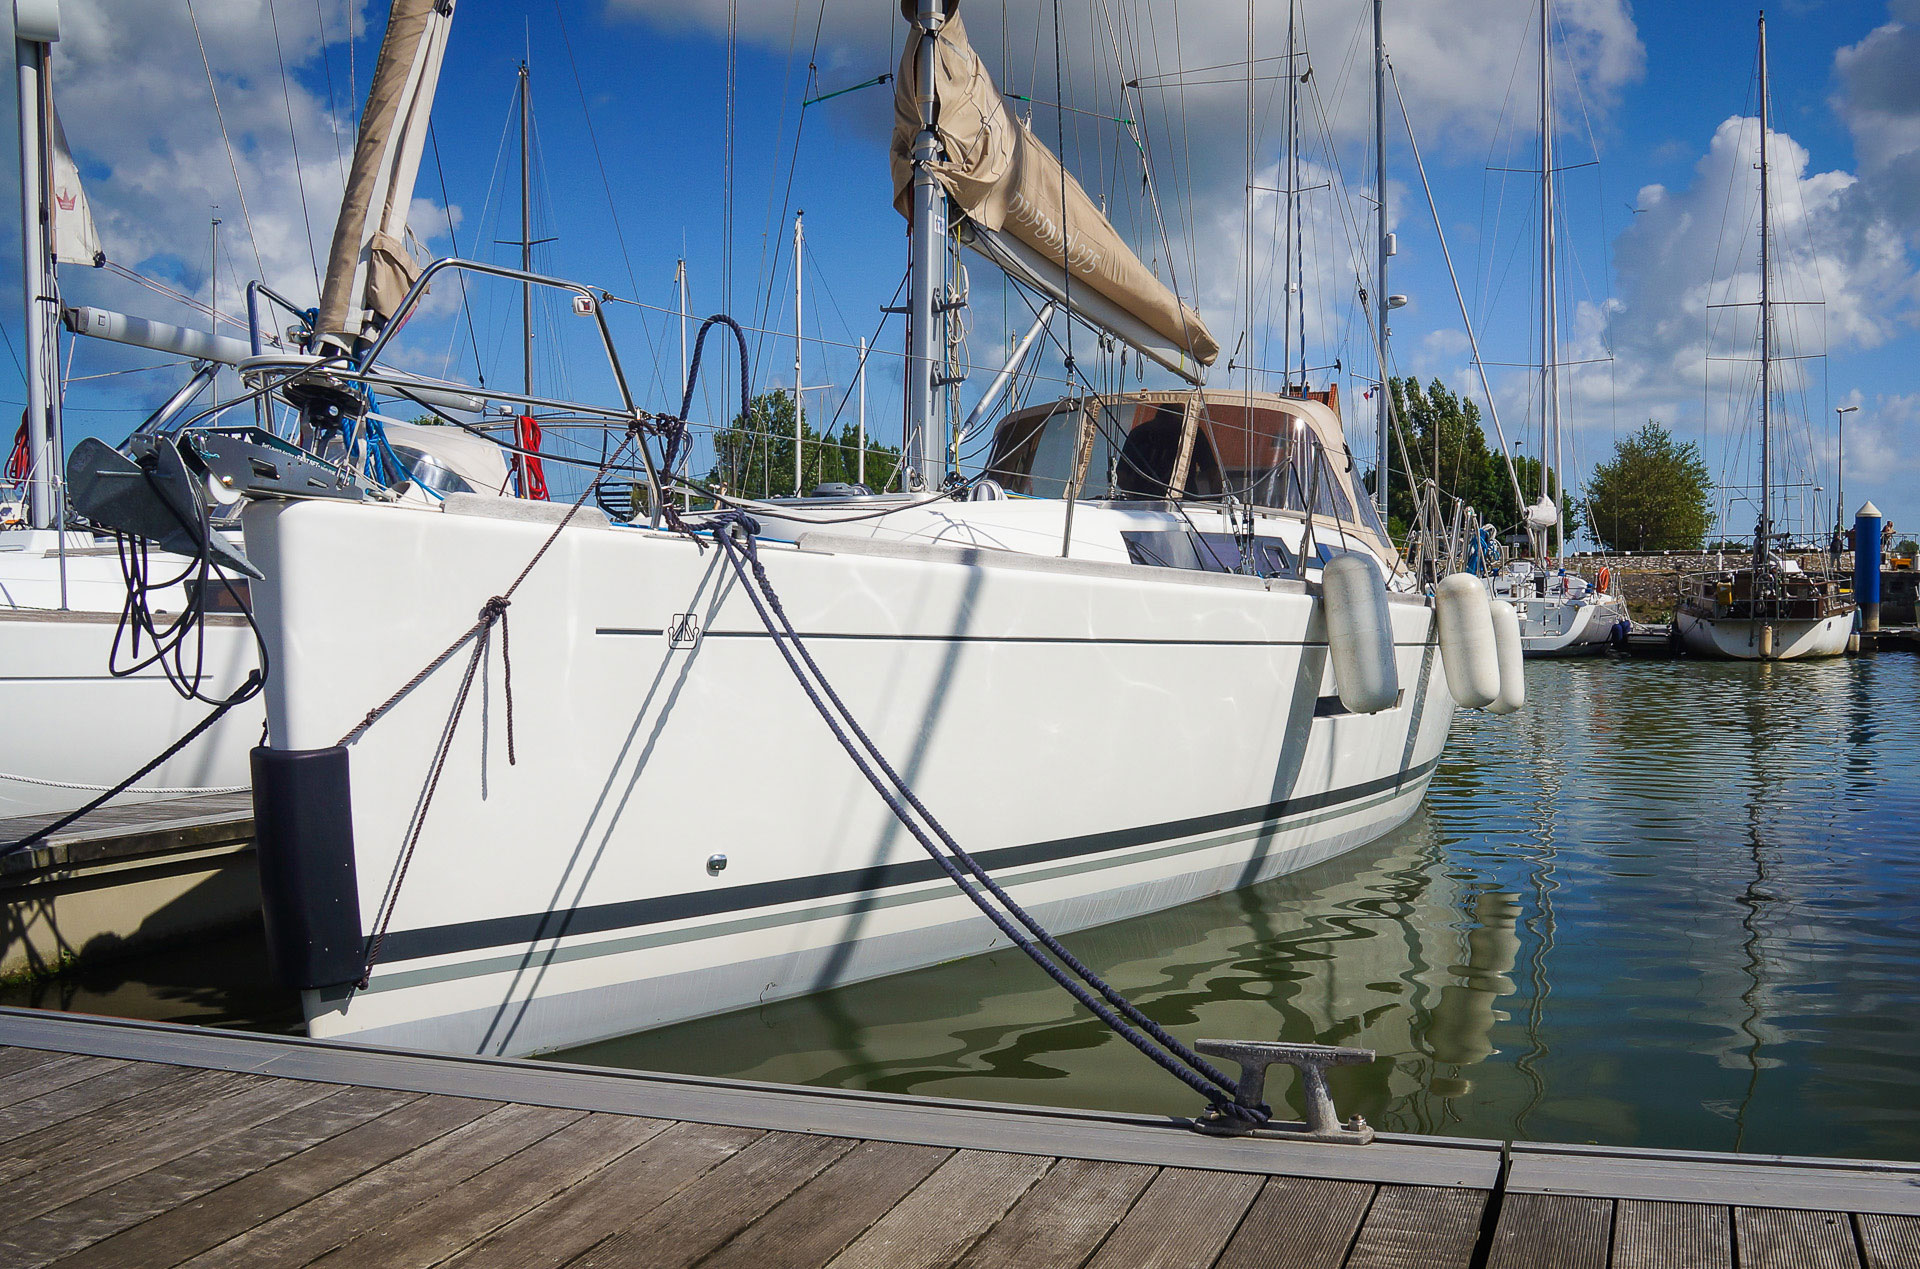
{"x": 1311, "y": 1060}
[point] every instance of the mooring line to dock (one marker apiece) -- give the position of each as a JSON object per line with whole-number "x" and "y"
{"x": 733, "y": 533}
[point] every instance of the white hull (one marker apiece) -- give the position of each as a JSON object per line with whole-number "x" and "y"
{"x": 1739, "y": 639}
{"x": 1109, "y": 739}
{"x": 72, "y": 729}
{"x": 1571, "y": 619}
{"x": 1582, "y": 627}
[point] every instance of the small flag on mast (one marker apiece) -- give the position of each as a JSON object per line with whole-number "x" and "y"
{"x": 75, "y": 240}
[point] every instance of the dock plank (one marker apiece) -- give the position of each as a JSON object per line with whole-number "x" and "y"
{"x": 78, "y": 1098}
{"x": 1552, "y": 1231}
{"x": 945, "y": 1214}
{"x": 719, "y": 1205}
{"x": 1654, "y": 1235}
{"x": 45, "y": 1077}
{"x": 1183, "y": 1221}
{"x": 16, "y": 1061}
{"x": 1419, "y": 1227}
{"x": 297, "y": 1236}
{"x": 1066, "y": 1215}
{"x": 468, "y": 1212}
{"x": 223, "y": 1118}
{"x": 815, "y": 1222}
{"x": 1774, "y": 1238}
{"x": 1890, "y": 1242}
{"x": 1301, "y": 1222}
{"x": 602, "y": 1205}
{"x": 206, "y": 1222}
{"x": 57, "y": 1144}
{"x": 106, "y": 1212}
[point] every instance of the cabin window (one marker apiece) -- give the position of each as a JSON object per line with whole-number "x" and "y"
{"x": 1206, "y": 552}
{"x": 1144, "y": 466}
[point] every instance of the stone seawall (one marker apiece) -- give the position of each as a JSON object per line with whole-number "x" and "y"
{"x": 1650, "y": 582}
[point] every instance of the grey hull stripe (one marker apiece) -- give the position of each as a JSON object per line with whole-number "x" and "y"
{"x": 403, "y": 979}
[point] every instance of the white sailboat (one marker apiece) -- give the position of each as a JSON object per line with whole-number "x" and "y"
{"x": 1118, "y": 694}
{"x": 80, "y": 711}
{"x": 1772, "y": 609}
{"x": 1561, "y": 612}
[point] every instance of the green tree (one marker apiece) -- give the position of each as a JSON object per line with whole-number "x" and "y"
{"x": 1655, "y": 494}
{"x": 1445, "y": 437}
{"x": 754, "y": 453}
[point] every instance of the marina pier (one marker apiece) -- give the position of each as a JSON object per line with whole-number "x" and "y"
{"x": 143, "y": 1144}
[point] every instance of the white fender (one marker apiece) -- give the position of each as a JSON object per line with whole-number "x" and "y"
{"x": 1513, "y": 666}
{"x": 1360, "y": 634}
{"x": 1465, "y": 618}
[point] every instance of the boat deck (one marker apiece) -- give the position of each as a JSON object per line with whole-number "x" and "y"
{"x": 141, "y": 1144}
{"x": 119, "y": 830}
{"x": 125, "y": 878}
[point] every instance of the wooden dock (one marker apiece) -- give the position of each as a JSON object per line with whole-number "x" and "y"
{"x": 142, "y": 1144}
{"x": 128, "y": 876}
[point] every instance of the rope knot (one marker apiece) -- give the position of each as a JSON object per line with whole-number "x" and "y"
{"x": 494, "y": 609}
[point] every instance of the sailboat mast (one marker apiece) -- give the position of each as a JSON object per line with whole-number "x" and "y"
{"x": 37, "y": 27}
{"x": 1763, "y": 531}
{"x": 1549, "y": 297}
{"x": 680, "y": 294}
{"x": 1382, "y": 467}
{"x": 526, "y": 261}
{"x": 925, "y": 451}
{"x": 1298, "y": 251}
{"x": 799, "y": 245}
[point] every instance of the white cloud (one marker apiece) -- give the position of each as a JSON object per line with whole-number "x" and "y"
{"x": 1698, "y": 245}
{"x": 1460, "y": 63}
{"x": 133, "y": 94}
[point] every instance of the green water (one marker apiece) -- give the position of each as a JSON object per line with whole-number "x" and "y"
{"x": 1669, "y": 904}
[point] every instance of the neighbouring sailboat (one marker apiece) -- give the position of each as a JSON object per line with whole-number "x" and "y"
{"x": 1772, "y": 609}
{"x": 1561, "y": 612}
{"x": 1121, "y": 692}
{"x": 87, "y": 701}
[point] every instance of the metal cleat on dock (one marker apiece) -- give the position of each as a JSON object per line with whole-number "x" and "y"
{"x": 1311, "y": 1060}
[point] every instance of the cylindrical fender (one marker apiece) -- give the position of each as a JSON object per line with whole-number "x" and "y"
{"x": 1513, "y": 666}
{"x": 1465, "y": 617}
{"x": 1360, "y": 634}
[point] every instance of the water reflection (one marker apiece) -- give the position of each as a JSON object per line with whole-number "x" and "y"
{"x": 1666, "y": 905}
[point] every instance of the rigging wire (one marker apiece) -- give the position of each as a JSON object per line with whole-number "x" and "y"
{"x": 453, "y": 236}
{"x": 293, "y": 139}
{"x": 333, "y": 110}
{"x": 227, "y": 141}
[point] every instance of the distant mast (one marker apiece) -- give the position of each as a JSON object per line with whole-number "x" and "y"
{"x": 1763, "y": 531}
{"x": 1549, "y": 302}
{"x": 1382, "y": 468}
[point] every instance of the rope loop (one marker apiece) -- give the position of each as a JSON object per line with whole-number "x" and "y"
{"x": 733, "y": 534}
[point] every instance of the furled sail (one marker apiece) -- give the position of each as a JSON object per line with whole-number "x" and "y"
{"x": 369, "y": 268}
{"x": 75, "y": 240}
{"x": 1013, "y": 192}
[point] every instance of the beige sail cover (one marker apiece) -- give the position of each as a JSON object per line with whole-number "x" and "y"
{"x": 1007, "y": 182}
{"x": 369, "y": 269}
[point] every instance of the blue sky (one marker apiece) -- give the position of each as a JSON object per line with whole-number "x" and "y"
{"x": 1652, "y": 89}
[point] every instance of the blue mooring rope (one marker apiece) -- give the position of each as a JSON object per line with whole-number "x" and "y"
{"x": 1169, "y": 1053}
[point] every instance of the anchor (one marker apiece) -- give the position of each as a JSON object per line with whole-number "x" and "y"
{"x": 1311, "y": 1060}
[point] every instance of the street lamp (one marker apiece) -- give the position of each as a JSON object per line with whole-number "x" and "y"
{"x": 1840, "y": 483}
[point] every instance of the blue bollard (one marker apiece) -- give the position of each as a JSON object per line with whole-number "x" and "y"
{"x": 1866, "y": 565}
